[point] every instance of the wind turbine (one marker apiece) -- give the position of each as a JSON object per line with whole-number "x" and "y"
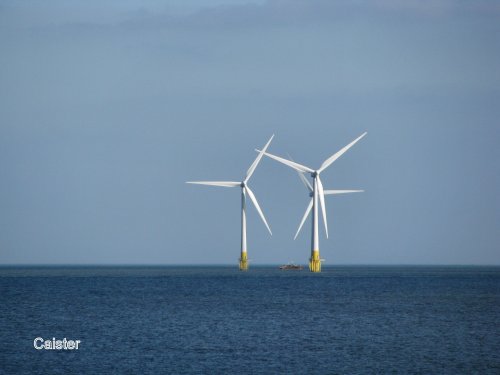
{"x": 317, "y": 196}
{"x": 245, "y": 189}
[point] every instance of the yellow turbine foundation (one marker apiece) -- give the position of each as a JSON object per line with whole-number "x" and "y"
{"x": 244, "y": 261}
{"x": 315, "y": 262}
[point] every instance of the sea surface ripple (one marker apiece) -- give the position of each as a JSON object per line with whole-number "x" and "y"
{"x": 217, "y": 320}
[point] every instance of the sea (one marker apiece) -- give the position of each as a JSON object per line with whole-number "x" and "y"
{"x": 218, "y": 320}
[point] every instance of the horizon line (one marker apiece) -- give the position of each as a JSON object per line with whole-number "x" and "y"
{"x": 233, "y": 265}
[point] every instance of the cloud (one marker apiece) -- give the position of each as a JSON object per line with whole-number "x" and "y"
{"x": 281, "y": 47}
{"x": 235, "y": 16}
{"x": 280, "y": 13}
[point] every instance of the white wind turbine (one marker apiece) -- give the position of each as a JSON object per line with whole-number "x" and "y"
{"x": 245, "y": 189}
{"x": 316, "y": 191}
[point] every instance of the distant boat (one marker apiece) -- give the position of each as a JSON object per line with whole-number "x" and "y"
{"x": 291, "y": 266}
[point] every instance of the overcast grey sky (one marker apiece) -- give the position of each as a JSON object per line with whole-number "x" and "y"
{"x": 108, "y": 107}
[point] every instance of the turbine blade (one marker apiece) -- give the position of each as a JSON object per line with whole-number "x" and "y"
{"x": 331, "y": 192}
{"x": 216, "y": 183}
{"x": 322, "y": 202}
{"x": 339, "y": 153}
{"x": 308, "y": 210}
{"x": 257, "y": 207}
{"x": 257, "y": 160}
{"x": 303, "y": 178}
{"x": 292, "y": 164}
{"x": 305, "y": 182}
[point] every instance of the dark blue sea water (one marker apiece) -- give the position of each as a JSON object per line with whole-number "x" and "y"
{"x": 217, "y": 320}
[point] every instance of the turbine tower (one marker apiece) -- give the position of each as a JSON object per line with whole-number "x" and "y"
{"x": 245, "y": 189}
{"x": 317, "y": 197}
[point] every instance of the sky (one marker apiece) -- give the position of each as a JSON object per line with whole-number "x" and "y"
{"x": 108, "y": 107}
